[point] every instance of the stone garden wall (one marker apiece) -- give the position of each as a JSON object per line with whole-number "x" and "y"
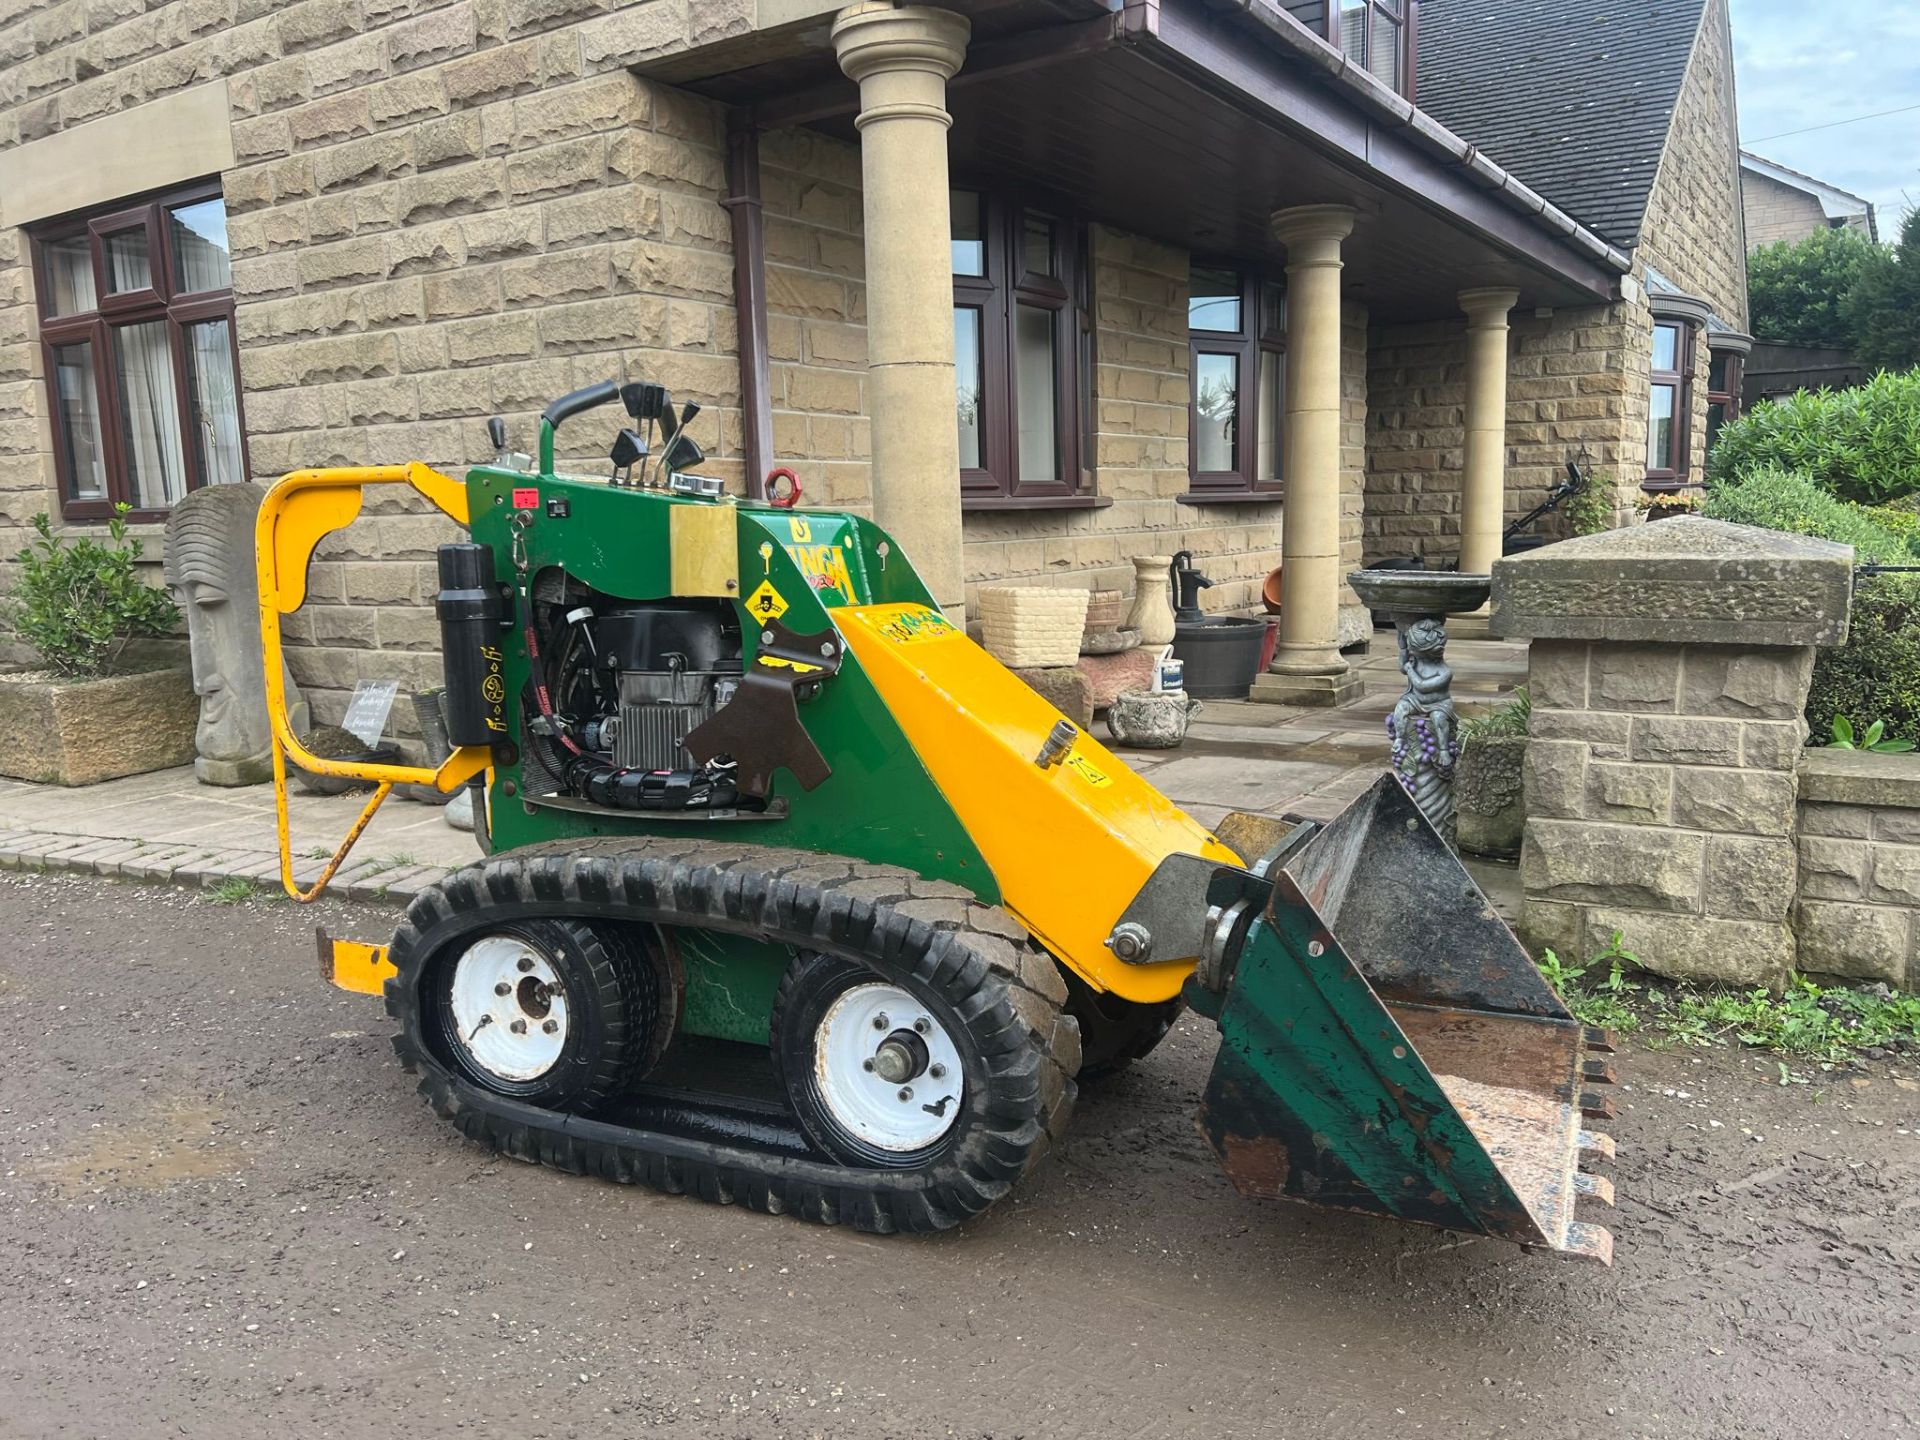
{"x": 1660, "y": 793}
{"x": 1857, "y": 910}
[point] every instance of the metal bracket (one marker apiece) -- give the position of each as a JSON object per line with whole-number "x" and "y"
{"x": 760, "y": 727}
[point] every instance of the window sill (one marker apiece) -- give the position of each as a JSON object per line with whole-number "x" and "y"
{"x": 1231, "y": 497}
{"x": 970, "y": 504}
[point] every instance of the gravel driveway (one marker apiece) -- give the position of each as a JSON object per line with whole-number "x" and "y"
{"x": 228, "y": 1215}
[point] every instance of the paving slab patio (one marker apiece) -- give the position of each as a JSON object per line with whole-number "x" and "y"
{"x": 1238, "y": 755}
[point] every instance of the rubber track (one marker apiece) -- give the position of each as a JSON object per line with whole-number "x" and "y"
{"x": 977, "y": 958}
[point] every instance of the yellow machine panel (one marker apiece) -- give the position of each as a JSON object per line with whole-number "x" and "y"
{"x": 978, "y": 729}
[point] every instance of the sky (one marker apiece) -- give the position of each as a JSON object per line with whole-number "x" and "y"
{"x": 1805, "y": 63}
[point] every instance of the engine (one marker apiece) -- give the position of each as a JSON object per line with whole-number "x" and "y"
{"x": 672, "y": 666}
{"x": 618, "y": 686}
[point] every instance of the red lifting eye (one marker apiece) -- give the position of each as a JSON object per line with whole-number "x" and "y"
{"x": 775, "y": 496}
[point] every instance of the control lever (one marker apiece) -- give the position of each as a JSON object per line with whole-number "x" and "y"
{"x": 629, "y": 448}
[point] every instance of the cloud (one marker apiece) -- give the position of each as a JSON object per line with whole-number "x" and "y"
{"x": 1802, "y": 65}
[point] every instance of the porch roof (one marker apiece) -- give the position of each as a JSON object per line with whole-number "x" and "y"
{"x": 1191, "y": 121}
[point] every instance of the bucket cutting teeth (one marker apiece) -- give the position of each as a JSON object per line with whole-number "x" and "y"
{"x": 1596, "y": 1105}
{"x": 1593, "y": 1187}
{"x": 1593, "y": 1143}
{"x": 1598, "y": 1070}
{"x": 1589, "y": 1242}
{"x": 1599, "y": 1040}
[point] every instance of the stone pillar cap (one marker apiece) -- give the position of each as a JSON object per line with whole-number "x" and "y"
{"x": 1313, "y": 222}
{"x": 1497, "y": 299}
{"x": 1684, "y": 581}
{"x": 871, "y": 37}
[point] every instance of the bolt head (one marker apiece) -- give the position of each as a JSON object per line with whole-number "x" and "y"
{"x": 866, "y": 1065}
{"x": 551, "y": 1027}
{"x": 880, "y": 1021}
{"x": 519, "y": 1027}
{"x": 906, "y": 1094}
{"x": 503, "y": 988}
{"x": 526, "y": 963}
{"x": 938, "y": 1072}
{"x": 922, "y": 1025}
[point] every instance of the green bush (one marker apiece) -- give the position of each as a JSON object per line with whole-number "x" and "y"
{"x": 1861, "y": 444}
{"x": 1797, "y": 293}
{"x": 1882, "y": 311}
{"x": 1876, "y": 674}
{"x": 76, "y": 601}
{"x": 1779, "y": 500}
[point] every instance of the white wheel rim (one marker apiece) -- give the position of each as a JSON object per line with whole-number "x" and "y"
{"x": 891, "y": 1114}
{"x": 508, "y": 1010}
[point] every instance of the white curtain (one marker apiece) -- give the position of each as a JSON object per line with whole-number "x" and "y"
{"x": 151, "y": 414}
{"x": 216, "y": 415}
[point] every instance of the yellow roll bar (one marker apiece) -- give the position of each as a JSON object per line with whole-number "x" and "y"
{"x": 300, "y": 509}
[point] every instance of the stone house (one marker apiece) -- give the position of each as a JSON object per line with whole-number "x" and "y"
{"x": 1783, "y": 204}
{"x": 1043, "y": 284}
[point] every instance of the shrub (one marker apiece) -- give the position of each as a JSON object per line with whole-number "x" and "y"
{"x": 1778, "y": 500}
{"x": 1883, "y": 310}
{"x": 1876, "y": 674}
{"x": 1797, "y": 292}
{"x": 1861, "y": 444}
{"x": 76, "y": 601}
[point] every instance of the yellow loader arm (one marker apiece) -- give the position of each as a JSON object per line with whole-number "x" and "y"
{"x": 299, "y": 511}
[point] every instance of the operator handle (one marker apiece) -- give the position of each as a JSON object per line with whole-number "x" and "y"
{"x": 570, "y": 405}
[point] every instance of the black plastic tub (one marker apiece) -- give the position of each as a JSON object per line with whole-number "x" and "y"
{"x": 1221, "y": 655}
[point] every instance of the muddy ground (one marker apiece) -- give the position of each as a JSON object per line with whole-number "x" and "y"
{"x": 226, "y": 1214}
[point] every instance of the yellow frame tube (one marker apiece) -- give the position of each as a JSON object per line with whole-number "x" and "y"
{"x": 299, "y": 510}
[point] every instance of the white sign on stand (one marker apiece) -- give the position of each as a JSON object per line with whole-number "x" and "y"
{"x": 367, "y": 713}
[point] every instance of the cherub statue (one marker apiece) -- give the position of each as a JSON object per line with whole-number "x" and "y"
{"x": 1422, "y": 729}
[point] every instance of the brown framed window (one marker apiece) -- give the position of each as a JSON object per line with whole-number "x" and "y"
{"x": 1379, "y": 35}
{"x": 1671, "y": 405}
{"x": 1021, "y": 344}
{"x": 1237, "y": 358}
{"x": 136, "y": 329}
{"x": 1726, "y": 373}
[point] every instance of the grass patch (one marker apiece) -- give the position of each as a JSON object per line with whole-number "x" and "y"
{"x": 1808, "y": 1021}
{"x": 234, "y": 890}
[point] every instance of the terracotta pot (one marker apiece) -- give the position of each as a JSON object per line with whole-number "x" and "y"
{"x": 1270, "y": 591}
{"x": 1104, "y": 609}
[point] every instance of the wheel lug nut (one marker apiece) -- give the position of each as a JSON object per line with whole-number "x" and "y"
{"x": 503, "y": 988}
{"x": 906, "y": 1094}
{"x": 519, "y": 1027}
{"x": 922, "y": 1025}
{"x": 880, "y": 1021}
{"x": 526, "y": 963}
{"x": 938, "y": 1072}
{"x": 551, "y": 1027}
{"x": 866, "y": 1065}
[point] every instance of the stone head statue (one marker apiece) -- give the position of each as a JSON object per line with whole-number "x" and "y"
{"x": 210, "y": 569}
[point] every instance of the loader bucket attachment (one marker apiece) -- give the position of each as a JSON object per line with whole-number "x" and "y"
{"x": 1388, "y": 1046}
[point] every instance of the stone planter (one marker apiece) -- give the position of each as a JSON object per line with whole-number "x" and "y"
{"x": 1489, "y": 795}
{"x": 77, "y": 732}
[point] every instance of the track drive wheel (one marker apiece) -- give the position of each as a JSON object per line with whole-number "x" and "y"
{"x": 1114, "y": 1032}
{"x": 554, "y": 1013}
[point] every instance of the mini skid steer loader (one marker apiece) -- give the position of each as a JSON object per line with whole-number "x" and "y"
{"x": 796, "y": 898}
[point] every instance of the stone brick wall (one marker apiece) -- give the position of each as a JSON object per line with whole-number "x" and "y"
{"x": 1857, "y": 912}
{"x": 438, "y": 211}
{"x": 1140, "y": 392}
{"x": 1776, "y": 212}
{"x": 1660, "y": 802}
{"x": 1575, "y": 380}
{"x": 1694, "y": 233}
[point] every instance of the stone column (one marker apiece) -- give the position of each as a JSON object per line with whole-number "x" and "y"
{"x": 1669, "y": 668}
{"x": 1483, "y": 479}
{"x": 902, "y": 59}
{"x": 1307, "y": 667}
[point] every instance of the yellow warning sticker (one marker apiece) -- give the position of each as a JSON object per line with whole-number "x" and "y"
{"x": 1088, "y": 771}
{"x": 766, "y": 603}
